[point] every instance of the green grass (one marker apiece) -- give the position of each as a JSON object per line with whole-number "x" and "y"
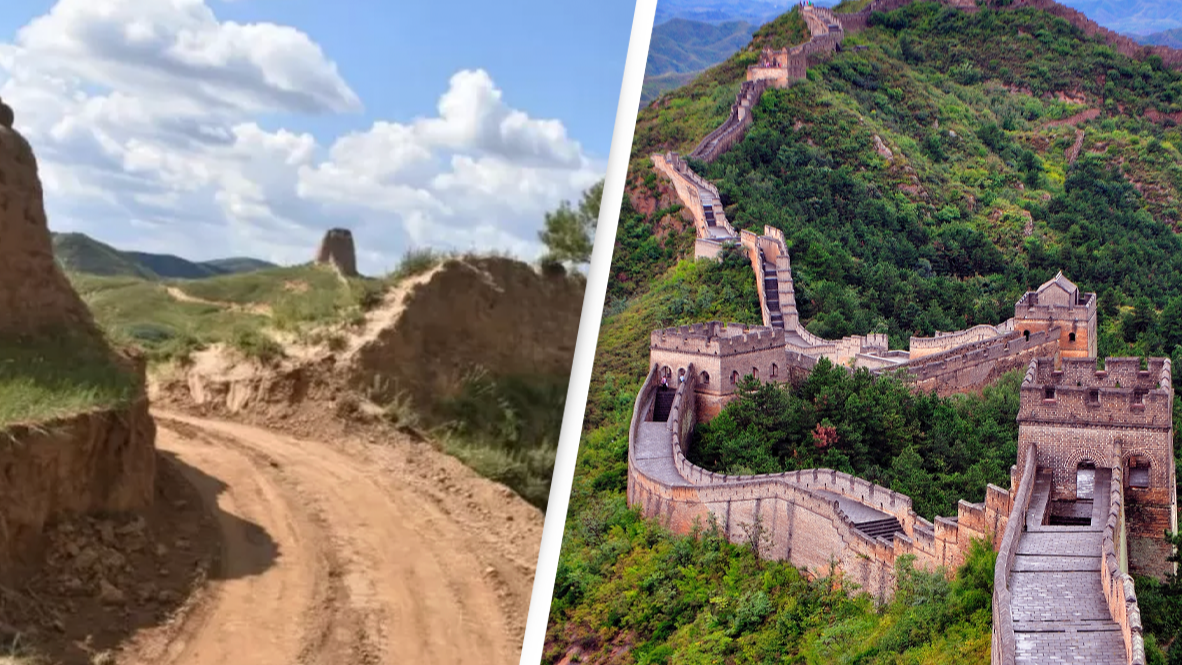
{"x": 416, "y": 262}
{"x": 53, "y": 376}
{"x": 299, "y": 299}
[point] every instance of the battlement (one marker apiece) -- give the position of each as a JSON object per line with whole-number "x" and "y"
{"x": 1121, "y": 395}
{"x": 717, "y": 339}
{"x": 1029, "y": 307}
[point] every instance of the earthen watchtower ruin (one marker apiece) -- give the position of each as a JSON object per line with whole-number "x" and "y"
{"x": 1080, "y": 418}
{"x": 337, "y": 250}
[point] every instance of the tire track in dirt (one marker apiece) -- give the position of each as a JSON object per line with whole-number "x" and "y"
{"x": 363, "y": 570}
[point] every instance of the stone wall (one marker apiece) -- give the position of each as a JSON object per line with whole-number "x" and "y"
{"x": 1004, "y": 643}
{"x": 973, "y": 366}
{"x": 731, "y": 131}
{"x": 1116, "y": 584}
{"x": 102, "y": 461}
{"x": 926, "y": 346}
{"x": 802, "y": 526}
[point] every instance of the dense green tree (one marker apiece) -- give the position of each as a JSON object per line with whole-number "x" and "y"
{"x": 569, "y": 233}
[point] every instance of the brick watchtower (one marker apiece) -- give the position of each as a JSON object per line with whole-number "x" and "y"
{"x": 1080, "y": 417}
{"x": 1059, "y": 303}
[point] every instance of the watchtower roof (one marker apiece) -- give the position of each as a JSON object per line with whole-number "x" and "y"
{"x": 1066, "y": 285}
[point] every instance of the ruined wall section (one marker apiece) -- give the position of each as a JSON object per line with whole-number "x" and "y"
{"x": 100, "y": 460}
{"x": 337, "y": 249}
{"x": 35, "y": 296}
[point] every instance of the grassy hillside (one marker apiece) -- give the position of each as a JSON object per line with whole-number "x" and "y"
{"x": 78, "y": 252}
{"x": 905, "y": 176}
{"x": 171, "y": 319}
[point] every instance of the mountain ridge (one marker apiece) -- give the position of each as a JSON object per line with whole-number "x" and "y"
{"x": 78, "y": 252}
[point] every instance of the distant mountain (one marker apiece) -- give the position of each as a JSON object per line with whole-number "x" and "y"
{"x": 1132, "y": 17}
{"x": 681, "y": 45}
{"x": 756, "y": 12}
{"x": 1171, "y": 38}
{"x": 79, "y": 252}
{"x": 682, "y": 48}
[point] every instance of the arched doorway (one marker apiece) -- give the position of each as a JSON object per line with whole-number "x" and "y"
{"x": 1085, "y": 480}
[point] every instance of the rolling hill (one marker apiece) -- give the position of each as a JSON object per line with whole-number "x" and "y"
{"x": 78, "y": 252}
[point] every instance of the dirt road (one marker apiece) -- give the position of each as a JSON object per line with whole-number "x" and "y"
{"x": 341, "y": 553}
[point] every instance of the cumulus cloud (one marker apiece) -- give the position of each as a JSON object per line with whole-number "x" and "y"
{"x": 147, "y": 121}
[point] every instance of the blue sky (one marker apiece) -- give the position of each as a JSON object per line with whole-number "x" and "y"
{"x": 416, "y": 124}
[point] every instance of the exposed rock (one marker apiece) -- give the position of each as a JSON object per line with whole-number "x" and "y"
{"x": 882, "y": 149}
{"x": 337, "y": 249}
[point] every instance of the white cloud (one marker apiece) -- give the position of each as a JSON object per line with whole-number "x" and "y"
{"x": 146, "y": 121}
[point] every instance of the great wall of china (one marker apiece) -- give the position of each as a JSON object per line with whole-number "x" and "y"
{"x": 1094, "y": 483}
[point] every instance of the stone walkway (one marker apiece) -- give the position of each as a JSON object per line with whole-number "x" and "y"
{"x": 1058, "y": 606}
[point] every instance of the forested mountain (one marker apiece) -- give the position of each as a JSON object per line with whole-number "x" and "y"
{"x": 927, "y": 175}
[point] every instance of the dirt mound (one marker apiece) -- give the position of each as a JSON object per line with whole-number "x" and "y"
{"x": 79, "y": 439}
{"x": 497, "y": 314}
{"x": 35, "y": 296}
{"x": 104, "y": 578}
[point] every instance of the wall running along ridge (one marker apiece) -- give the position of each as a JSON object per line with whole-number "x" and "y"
{"x": 805, "y": 524}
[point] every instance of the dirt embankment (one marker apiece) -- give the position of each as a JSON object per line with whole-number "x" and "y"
{"x": 100, "y": 460}
{"x": 419, "y": 345}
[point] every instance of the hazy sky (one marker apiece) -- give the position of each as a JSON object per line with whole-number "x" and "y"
{"x": 209, "y": 128}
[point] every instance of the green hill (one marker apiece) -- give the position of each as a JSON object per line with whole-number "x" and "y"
{"x": 905, "y": 176}
{"x": 78, "y": 252}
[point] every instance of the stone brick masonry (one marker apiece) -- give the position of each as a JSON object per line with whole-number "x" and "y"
{"x": 1072, "y": 416}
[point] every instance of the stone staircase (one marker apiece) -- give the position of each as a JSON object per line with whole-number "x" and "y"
{"x": 771, "y": 290}
{"x": 663, "y": 404}
{"x": 883, "y": 527}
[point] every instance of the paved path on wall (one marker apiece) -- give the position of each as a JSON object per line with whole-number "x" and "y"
{"x": 1060, "y": 614}
{"x": 351, "y": 558}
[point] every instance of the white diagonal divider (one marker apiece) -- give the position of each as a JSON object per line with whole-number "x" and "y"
{"x": 580, "y": 377}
